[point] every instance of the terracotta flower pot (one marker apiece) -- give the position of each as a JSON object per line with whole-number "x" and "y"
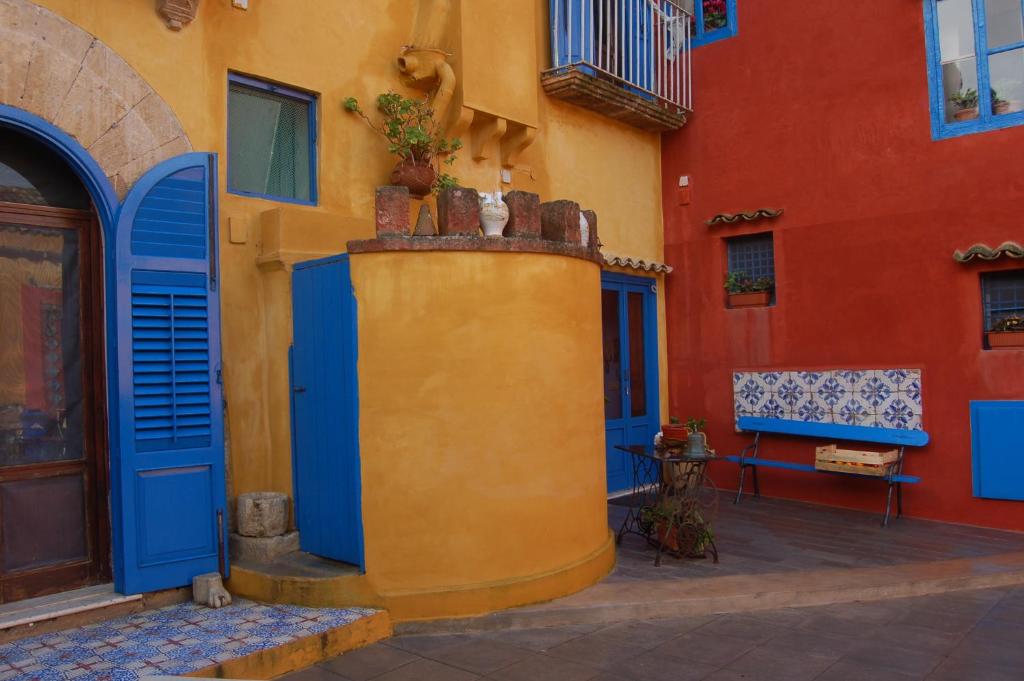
{"x": 669, "y": 540}
{"x": 750, "y": 299}
{"x": 1000, "y": 108}
{"x": 966, "y": 114}
{"x": 1006, "y": 339}
{"x": 672, "y": 431}
{"x": 418, "y": 177}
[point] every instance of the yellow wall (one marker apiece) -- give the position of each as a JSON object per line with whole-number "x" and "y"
{"x": 337, "y": 49}
{"x": 479, "y": 389}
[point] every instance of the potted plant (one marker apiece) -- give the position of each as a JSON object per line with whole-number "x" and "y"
{"x": 746, "y": 292}
{"x": 696, "y": 440}
{"x": 674, "y": 430}
{"x": 966, "y": 103}
{"x": 716, "y": 14}
{"x": 1007, "y": 332}
{"x": 656, "y": 519}
{"x": 999, "y": 106}
{"x": 416, "y": 139}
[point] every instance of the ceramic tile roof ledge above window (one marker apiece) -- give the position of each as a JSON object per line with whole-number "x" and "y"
{"x": 637, "y": 264}
{"x": 1010, "y": 249}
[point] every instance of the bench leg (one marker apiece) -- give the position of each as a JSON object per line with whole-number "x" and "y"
{"x": 757, "y": 485}
{"x": 888, "y": 504}
{"x": 899, "y": 499}
{"x": 739, "y": 488}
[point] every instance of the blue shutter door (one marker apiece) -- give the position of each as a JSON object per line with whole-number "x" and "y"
{"x": 169, "y": 501}
{"x": 325, "y": 407}
{"x": 997, "y": 439}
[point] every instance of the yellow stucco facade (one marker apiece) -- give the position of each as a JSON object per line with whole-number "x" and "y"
{"x": 532, "y": 472}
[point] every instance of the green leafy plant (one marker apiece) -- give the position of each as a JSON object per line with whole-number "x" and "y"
{"x": 739, "y": 282}
{"x": 695, "y": 425}
{"x": 1011, "y": 323}
{"x": 965, "y": 99}
{"x": 674, "y": 421}
{"x": 996, "y": 99}
{"x": 412, "y": 133}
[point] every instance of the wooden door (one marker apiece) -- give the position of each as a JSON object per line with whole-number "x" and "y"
{"x": 53, "y": 486}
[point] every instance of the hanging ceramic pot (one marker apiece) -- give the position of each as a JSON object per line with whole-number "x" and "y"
{"x": 493, "y": 214}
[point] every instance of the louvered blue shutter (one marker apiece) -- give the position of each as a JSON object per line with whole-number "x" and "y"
{"x": 168, "y": 451}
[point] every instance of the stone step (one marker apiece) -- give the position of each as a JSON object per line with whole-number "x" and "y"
{"x": 76, "y": 602}
{"x": 620, "y": 601}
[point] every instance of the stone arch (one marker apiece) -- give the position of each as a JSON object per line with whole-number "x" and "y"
{"x": 56, "y": 70}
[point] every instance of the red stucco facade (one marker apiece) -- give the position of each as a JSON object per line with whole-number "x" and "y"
{"x": 822, "y": 109}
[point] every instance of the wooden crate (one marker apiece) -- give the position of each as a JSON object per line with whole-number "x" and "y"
{"x": 831, "y": 458}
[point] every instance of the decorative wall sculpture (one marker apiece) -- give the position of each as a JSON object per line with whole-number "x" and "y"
{"x": 883, "y": 398}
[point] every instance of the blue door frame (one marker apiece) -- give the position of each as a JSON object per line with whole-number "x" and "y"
{"x": 142, "y": 562}
{"x": 325, "y": 411}
{"x": 622, "y": 426}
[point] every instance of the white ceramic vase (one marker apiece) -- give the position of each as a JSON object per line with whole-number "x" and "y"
{"x": 493, "y": 214}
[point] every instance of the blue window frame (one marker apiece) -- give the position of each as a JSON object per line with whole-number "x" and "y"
{"x": 712, "y": 20}
{"x": 752, "y": 255}
{"x": 271, "y": 141}
{"x": 975, "y": 65}
{"x": 1002, "y": 295}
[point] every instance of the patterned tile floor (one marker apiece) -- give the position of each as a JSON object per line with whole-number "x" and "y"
{"x": 174, "y": 640}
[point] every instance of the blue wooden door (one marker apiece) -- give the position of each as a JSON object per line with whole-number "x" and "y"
{"x": 997, "y": 439}
{"x": 325, "y": 409}
{"x": 630, "y": 342}
{"x": 169, "y": 496}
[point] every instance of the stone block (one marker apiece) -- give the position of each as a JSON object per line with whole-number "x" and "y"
{"x": 593, "y": 243}
{"x": 458, "y": 212}
{"x": 424, "y": 223}
{"x": 560, "y": 221}
{"x": 392, "y": 211}
{"x": 523, "y": 215}
{"x": 263, "y": 549}
{"x": 262, "y": 514}
{"x": 208, "y": 589}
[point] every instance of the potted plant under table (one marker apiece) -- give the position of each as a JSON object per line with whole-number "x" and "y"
{"x": 416, "y": 139}
{"x": 744, "y": 291}
{"x": 1007, "y": 332}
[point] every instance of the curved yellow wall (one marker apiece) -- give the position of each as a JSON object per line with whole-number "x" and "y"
{"x": 481, "y": 419}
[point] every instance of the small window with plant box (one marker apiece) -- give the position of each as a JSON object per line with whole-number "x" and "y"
{"x": 271, "y": 141}
{"x": 1003, "y": 302}
{"x": 750, "y": 281}
{"x": 711, "y": 20}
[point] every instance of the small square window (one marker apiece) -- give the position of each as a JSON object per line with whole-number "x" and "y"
{"x": 711, "y": 20}
{"x": 1002, "y": 296}
{"x": 271, "y": 141}
{"x": 751, "y": 262}
{"x": 752, "y": 256}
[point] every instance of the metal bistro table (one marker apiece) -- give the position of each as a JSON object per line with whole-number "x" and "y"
{"x": 678, "y": 502}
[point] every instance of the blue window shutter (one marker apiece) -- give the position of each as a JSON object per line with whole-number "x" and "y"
{"x": 168, "y": 467}
{"x": 997, "y": 444}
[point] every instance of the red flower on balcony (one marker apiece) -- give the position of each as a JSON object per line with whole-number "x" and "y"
{"x": 715, "y": 14}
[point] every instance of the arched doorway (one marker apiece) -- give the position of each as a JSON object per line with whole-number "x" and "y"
{"x": 54, "y": 528}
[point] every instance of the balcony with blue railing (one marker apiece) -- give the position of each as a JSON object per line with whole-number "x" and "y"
{"x": 626, "y": 59}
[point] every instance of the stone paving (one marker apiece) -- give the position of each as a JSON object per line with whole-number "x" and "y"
{"x": 961, "y": 636}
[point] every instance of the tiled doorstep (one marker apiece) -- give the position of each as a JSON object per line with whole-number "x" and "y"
{"x": 243, "y": 639}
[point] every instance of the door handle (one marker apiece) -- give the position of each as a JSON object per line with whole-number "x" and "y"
{"x": 299, "y": 389}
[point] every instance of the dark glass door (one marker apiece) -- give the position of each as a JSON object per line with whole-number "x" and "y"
{"x": 630, "y": 341}
{"x": 50, "y": 392}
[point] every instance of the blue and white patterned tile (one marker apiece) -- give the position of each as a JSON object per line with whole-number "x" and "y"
{"x": 790, "y": 390}
{"x": 178, "y": 639}
{"x": 851, "y": 379}
{"x": 771, "y": 379}
{"x": 739, "y": 377}
{"x": 811, "y": 380}
{"x": 896, "y": 412}
{"x": 752, "y": 393}
{"x": 809, "y": 409}
{"x": 772, "y": 409}
{"x": 874, "y": 390}
{"x": 854, "y": 412}
{"x": 831, "y": 393}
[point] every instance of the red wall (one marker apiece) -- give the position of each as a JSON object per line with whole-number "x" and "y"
{"x": 821, "y": 108}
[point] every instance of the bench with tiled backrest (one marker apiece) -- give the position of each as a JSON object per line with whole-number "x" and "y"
{"x": 894, "y": 477}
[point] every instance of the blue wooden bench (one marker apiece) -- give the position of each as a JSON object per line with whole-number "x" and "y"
{"x": 748, "y": 456}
